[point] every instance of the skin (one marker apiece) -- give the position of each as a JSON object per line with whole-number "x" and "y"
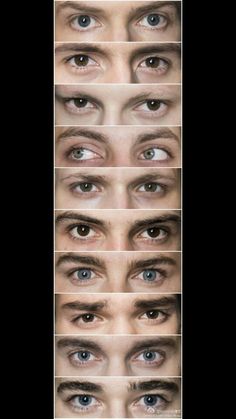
{"x": 124, "y": 147}
{"x": 118, "y": 21}
{"x": 118, "y": 230}
{"x": 117, "y": 63}
{"x": 117, "y": 188}
{"x": 117, "y": 272}
{"x": 117, "y": 105}
{"x": 120, "y": 314}
{"x": 117, "y": 399}
{"x": 117, "y": 356}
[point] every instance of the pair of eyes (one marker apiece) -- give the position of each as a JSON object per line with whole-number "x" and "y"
{"x": 85, "y": 276}
{"x": 146, "y": 358}
{"x": 86, "y": 22}
{"x": 86, "y": 232}
{"x": 148, "y": 403}
{"x": 151, "y": 317}
{"x": 82, "y": 153}
{"x": 81, "y": 63}
{"x": 91, "y": 189}
{"x": 147, "y": 108}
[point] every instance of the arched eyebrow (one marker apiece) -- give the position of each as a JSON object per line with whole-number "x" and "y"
{"x": 75, "y": 258}
{"x": 78, "y": 6}
{"x": 154, "y": 5}
{"x": 79, "y": 385}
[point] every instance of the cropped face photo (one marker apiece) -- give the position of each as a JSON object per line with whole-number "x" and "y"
{"x": 118, "y": 21}
{"x": 117, "y": 63}
{"x": 145, "y": 230}
{"x": 104, "y": 397}
{"x": 136, "y": 272}
{"x": 112, "y": 188}
{"x": 109, "y": 104}
{"x": 119, "y": 314}
{"x": 117, "y": 355}
{"x": 108, "y": 146}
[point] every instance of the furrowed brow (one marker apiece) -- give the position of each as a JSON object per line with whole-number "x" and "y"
{"x": 155, "y": 303}
{"x": 79, "y": 385}
{"x": 80, "y": 6}
{"x": 79, "y": 48}
{"x": 68, "y": 215}
{"x": 89, "y": 260}
{"x": 160, "y": 260}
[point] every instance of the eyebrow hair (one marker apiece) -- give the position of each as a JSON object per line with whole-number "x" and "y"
{"x": 77, "y": 342}
{"x": 87, "y": 177}
{"x": 147, "y": 343}
{"x": 154, "y": 175}
{"x": 157, "y": 220}
{"x": 68, "y": 215}
{"x": 78, "y": 5}
{"x": 156, "y": 302}
{"x": 154, "y": 385}
{"x": 75, "y": 95}
{"x": 154, "y": 5}
{"x": 160, "y": 260}
{"x": 158, "y": 133}
{"x": 89, "y": 260}
{"x": 157, "y": 48}
{"x": 75, "y": 132}
{"x": 77, "y": 47}
{"x": 77, "y": 305}
{"x": 79, "y": 385}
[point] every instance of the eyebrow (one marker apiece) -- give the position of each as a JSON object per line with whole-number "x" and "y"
{"x": 149, "y": 177}
{"x": 62, "y": 97}
{"x": 159, "y": 133}
{"x": 154, "y": 5}
{"x": 68, "y": 215}
{"x": 78, "y": 305}
{"x": 77, "y": 342}
{"x": 79, "y": 48}
{"x": 160, "y": 342}
{"x": 79, "y": 385}
{"x": 75, "y": 132}
{"x": 89, "y": 260}
{"x": 156, "y": 302}
{"x": 78, "y": 5}
{"x": 158, "y": 48}
{"x": 160, "y": 260}
{"x": 154, "y": 385}
{"x": 87, "y": 178}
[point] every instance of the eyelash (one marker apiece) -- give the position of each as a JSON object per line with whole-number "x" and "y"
{"x": 69, "y": 104}
{"x": 68, "y": 154}
{"x": 85, "y": 281}
{"x": 159, "y": 281}
{"x": 71, "y": 400}
{"x": 71, "y": 227}
{"x": 164, "y": 232}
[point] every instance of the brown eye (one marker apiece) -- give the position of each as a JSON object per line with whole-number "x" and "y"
{"x": 154, "y": 232}
{"x": 152, "y": 62}
{"x": 83, "y": 230}
{"x": 81, "y": 60}
{"x": 80, "y": 102}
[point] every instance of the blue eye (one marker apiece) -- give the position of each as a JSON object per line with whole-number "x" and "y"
{"x": 83, "y": 356}
{"x": 149, "y": 275}
{"x": 153, "y": 19}
{"x": 84, "y": 274}
{"x": 84, "y": 21}
{"x": 149, "y": 356}
{"x": 85, "y": 400}
{"x": 150, "y": 400}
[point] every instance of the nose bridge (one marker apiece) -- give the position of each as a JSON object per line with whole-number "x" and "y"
{"x": 121, "y": 197}
{"x": 117, "y": 365}
{"x": 112, "y": 112}
{"x": 121, "y": 72}
{"x": 122, "y": 325}
{"x": 118, "y": 408}
{"x": 120, "y": 30}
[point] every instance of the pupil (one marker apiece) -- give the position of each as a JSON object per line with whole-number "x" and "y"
{"x": 149, "y": 356}
{"x": 84, "y": 400}
{"x": 152, "y": 62}
{"x": 150, "y": 187}
{"x": 149, "y": 275}
{"x": 153, "y": 105}
{"x": 88, "y": 317}
{"x": 153, "y": 232}
{"x": 150, "y": 400}
{"x": 153, "y": 314}
{"x": 153, "y": 19}
{"x": 77, "y": 154}
{"x": 84, "y": 355}
{"x": 86, "y": 187}
{"x": 81, "y": 60}
{"x": 84, "y": 21}
{"x": 83, "y": 230}
{"x": 80, "y": 102}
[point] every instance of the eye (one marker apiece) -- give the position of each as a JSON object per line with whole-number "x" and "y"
{"x": 159, "y": 65}
{"x": 151, "y": 403}
{"x": 86, "y": 320}
{"x": 79, "y": 104}
{"x": 151, "y": 276}
{"x": 151, "y": 357}
{"x": 82, "y": 232}
{"x": 84, "y": 23}
{"x": 81, "y": 358}
{"x": 157, "y": 315}
{"x": 154, "y": 153}
{"x": 82, "y": 276}
{"x": 151, "y": 187}
{"x": 153, "y": 21}
{"x": 82, "y": 402}
{"x": 155, "y": 233}
{"x": 85, "y": 187}
{"x": 153, "y": 105}
{"x": 82, "y": 153}
{"x": 81, "y": 62}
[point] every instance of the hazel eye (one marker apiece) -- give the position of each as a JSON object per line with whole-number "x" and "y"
{"x": 81, "y": 62}
{"x": 154, "y": 153}
{"x": 82, "y": 154}
{"x": 150, "y": 187}
{"x": 84, "y": 187}
{"x": 84, "y": 23}
{"x": 151, "y": 108}
{"x": 152, "y": 21}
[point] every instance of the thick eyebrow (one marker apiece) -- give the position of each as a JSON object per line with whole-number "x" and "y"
{"x": 79, "y": 385}
{"x": 159, "y": 133}
{"x": 144, "y": 263}
{"x": 157, "y": 48}
{"x": 155, "y": 302}
{"x": 88, "y": 260}
{"x": 78, "y": 5}
{"x": 147, "y": 343}
{"x": 150, "y": 177}
{"x": 76, "y": 132}
{"x": 68, "y": 215}
{"x": 78, "y": 305}
{"x": 77, "y": 342}
{"x": 86, "y": 177}
{"x": 154, "y": 385}
{"x": 79, "y": 48}
{"x": 146, "y": 223}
